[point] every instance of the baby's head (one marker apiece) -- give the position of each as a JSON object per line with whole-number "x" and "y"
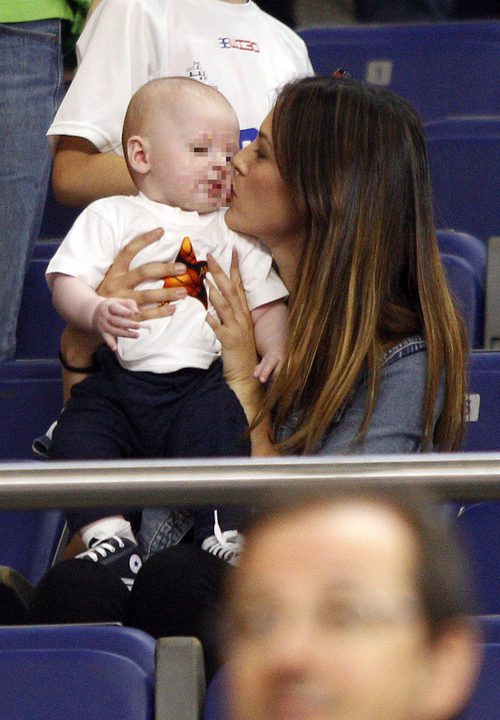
{"x": 179, "y": 138}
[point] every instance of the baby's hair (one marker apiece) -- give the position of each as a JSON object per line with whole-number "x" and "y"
{"x": 169, "y": 93}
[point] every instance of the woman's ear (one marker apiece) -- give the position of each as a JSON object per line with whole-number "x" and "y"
{"x": 138, "y": 154}
{"x": 456, "y": 659}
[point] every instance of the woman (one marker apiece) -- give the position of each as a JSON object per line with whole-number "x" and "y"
{"x": 337, "y": 185}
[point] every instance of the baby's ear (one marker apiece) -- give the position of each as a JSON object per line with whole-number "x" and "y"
{"x": 138, "y": 154}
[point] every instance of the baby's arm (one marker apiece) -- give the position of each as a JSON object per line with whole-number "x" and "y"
{"x": 80, "y": 305}
{"x": 271, "y": 334}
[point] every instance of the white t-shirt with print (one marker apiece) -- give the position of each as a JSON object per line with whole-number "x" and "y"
{"x": 242, "y": 51}
{"x": 183, "y": 339}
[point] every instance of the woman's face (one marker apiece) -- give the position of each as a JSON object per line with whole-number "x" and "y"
{"x": 261, "y": 203}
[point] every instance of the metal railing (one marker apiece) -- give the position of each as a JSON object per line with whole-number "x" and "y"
{"x": 44, "y": 485}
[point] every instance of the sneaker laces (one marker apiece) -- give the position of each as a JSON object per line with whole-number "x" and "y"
{"x": 224, "y": 544}
{"x": 102, "y": 548}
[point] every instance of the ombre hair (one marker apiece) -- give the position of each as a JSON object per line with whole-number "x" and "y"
{"x": 354, "y": 158}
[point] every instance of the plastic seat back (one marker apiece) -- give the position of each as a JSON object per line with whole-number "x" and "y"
{"x": 464, "y": 158}
{"x": 468, "y": 295}
{"x": 77, "y": 672}
{"x": 441, "y": 68}
{"x": 39, "y": 327}
{"x": 29, "y": 540}
{"x": 483, "y": 426}
{"x": 30, "y": 400}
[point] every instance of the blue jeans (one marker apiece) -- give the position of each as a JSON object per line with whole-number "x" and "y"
{"x": 30, "y": 86}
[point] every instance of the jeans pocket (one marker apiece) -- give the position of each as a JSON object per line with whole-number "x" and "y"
{"x": 48, "y": 30}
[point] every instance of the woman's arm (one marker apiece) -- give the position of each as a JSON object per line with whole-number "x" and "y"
{"x": 234, "y": 330}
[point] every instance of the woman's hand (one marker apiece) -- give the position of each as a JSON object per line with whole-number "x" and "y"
{"x": 120, "y": 281}
{"x": 234, "y": 329}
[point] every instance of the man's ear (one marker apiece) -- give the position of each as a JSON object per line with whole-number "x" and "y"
{"x": 455, "y": 668}
{"x": 138, "y": 154}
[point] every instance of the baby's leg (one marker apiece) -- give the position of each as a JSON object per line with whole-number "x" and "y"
{"x": 210, "y": 422}
{"x": 92, "y": 427}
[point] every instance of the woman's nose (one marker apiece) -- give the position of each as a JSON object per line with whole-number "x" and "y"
{"x": 241, "y": 161}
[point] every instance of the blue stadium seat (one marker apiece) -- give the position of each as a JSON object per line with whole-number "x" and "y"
{"x": 29, "y": 540}
{"x": 468, "y": 247}
{"x": 467, "y": 277}
{"x": 216, "y": 705}
{"x": 442, "y": 68}
{"x": 30, "y": 400}
{"x": 483, "y": 426}
{"x": 464, "y": 157}
{"x": 78, "y": 672}
{"x": 490, "y": 626}
{"x": 485, "y": 702}
{"x": 479, "y": 527}
{"x": 44, "y": 249}
{"x": 39, "y": 327}
{"x": 468, "y": 294}
{"x": 57, "y": 219}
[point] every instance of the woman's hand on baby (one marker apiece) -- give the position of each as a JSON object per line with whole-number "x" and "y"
{"x": 233, "y": 327}
{"x": 121, "y": 282}
{"x": 113, "y": 318}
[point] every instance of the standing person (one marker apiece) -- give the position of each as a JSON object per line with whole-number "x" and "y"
{"x": 337, "y": 186}
{"x": 179, "y": 138}
{"x": 354, "y": 605}
{"x": 31, "y": 82}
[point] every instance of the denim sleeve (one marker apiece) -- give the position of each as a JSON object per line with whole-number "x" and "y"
{"x": 396, "y": 423}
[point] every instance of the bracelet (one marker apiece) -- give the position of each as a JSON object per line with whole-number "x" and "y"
{"x": 82, "y": 370}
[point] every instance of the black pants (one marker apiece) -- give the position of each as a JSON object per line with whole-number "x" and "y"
{"x": 176, "y": 592}
{"x": 119, "y": 414}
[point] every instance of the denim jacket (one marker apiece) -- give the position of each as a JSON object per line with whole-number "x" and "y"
{"x": 396, "y": 423}
{"x": 395, "y": 427}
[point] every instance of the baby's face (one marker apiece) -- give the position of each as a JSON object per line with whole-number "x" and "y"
{"x": 192, "y": 167}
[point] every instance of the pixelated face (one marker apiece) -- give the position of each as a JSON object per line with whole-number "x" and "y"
{"x": 325, "y": 622}
{"x": 192, "y": 166}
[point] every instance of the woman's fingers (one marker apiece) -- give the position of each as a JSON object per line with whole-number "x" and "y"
{"x": 127, "y": 254}
{"x": 229, "y": 295}
{"x": 156, "y": 311}
{"x": 154, "y": 271}
{"x": 121, "y": 282}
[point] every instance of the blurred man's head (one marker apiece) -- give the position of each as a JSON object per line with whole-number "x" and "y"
{"x": 350, "y": 608}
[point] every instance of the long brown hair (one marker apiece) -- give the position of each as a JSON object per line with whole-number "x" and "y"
{"x": 370, "y": 275}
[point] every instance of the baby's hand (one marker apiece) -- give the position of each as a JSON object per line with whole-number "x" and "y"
{"x": 270, "y": 363}
{"x": 112, "y": 319}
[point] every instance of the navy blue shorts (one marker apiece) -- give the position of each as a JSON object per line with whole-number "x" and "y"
{"x": 118, "y": 414}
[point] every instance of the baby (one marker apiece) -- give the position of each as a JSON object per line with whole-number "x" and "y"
{"x": 161, "y": 393}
